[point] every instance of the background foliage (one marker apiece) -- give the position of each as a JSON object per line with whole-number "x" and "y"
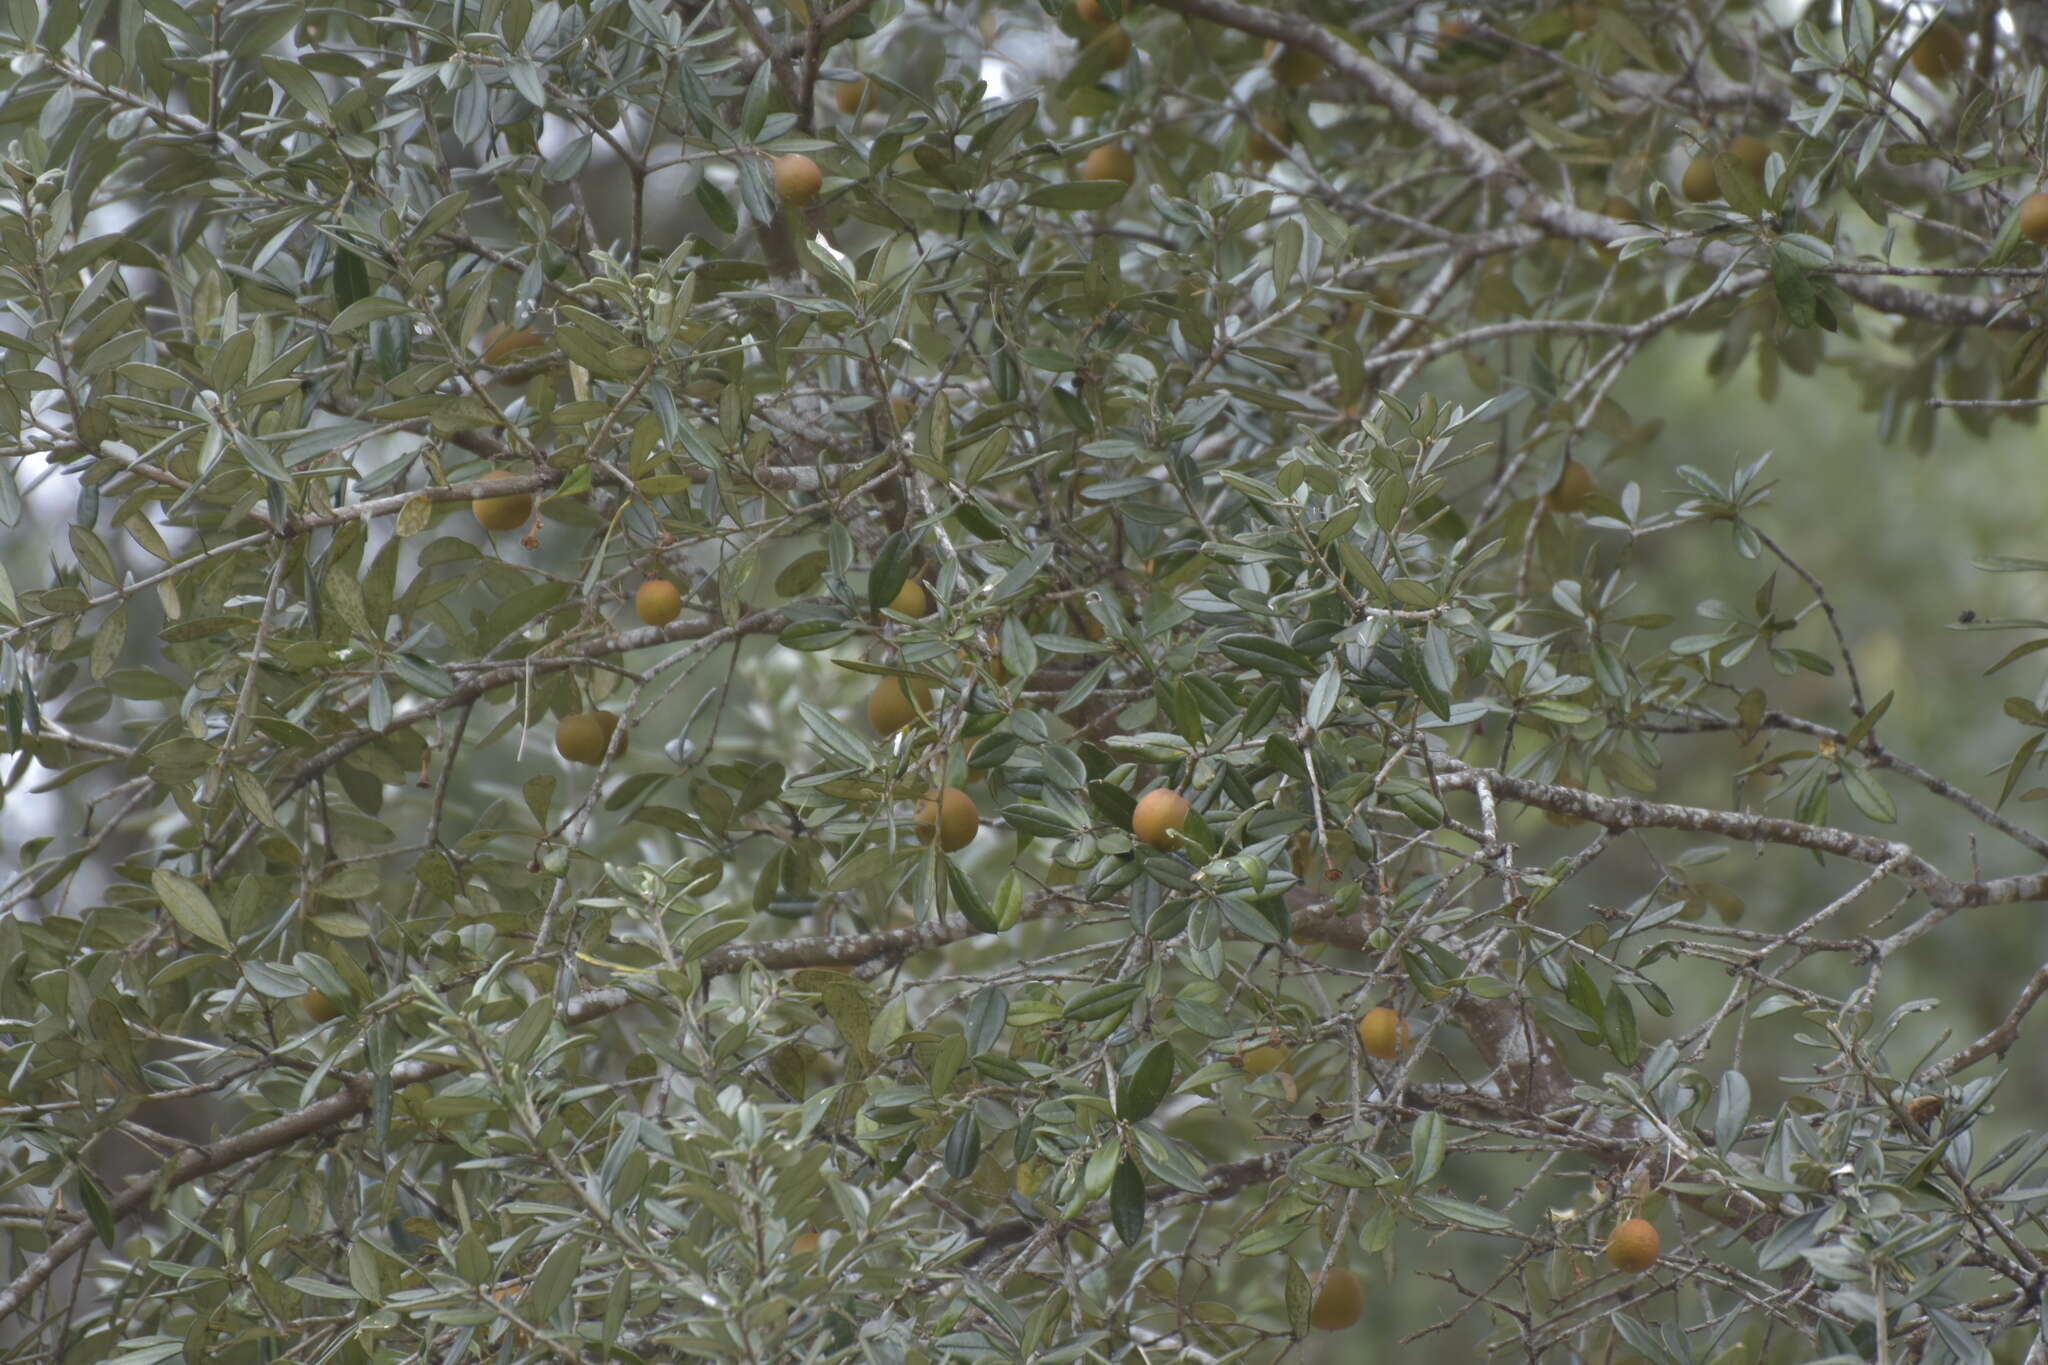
{"x": 1523, "y": 567}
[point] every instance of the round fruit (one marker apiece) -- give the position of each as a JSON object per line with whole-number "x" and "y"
{"x": 1271, "y": 135}
{"x": 1939, "y": 52}
{"x": 797, "y": 178}
{"x": 585, "y": 736}
{"x": 1293, "y": 67}
{"x": 2034, "y": 218}
{"x": 1159, "y": 818}
{"x": 1109, "y": 162}
{"x": 1115, "y": 46}
{"x": 658, "y": 602}
{"x": 1700, "y": 184}
{"x": 910, "y": 599}
{"x": 1383, "y": 1033}
{"x": 318, "y": 1007}
{"x": 803, "y": 1244}
{"x": 1262, "y": 1061}
{"x": 506, "y": 513}
{"x": 850, "y": 96}
{"x": 949, "y": 813}
{"x": 1618, "y": 208}
{"x": 1339, "y": 1303}
{"x": 501, "y": 344}
{"x": 1633, "y": 1247}
{"x": 1091, "y": 13}
{"x": 1752, "y": 152}
{"x": 1574, "y": 485}
{"x": 895, "y": 703}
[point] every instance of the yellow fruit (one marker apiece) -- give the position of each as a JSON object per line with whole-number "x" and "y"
{"x": 894, "y": 703}
{"x": 1752, "y": 152}
{"x": 803, "y": 1244}
{"x": 318, "y": 1007}
{"x": 797, "y": 178}
{"x": 1159, "y": 818}
{"x": 948, "y": 813}
{"x": 658, "y": 602}
{"x": 1383, "y": 1033}
{"x": 1939, "y": 52}
{"x": 2034, "y": 218}
{"x": 1633, "y": 1247}
{"x": 1574, "y": 485}
{"x": 1700, "y": 184}
{"x": 500, "y": 345}
{"x": 1293, "y": 67}
{"x": 1262, "y": 1061}
{"x": 850, "y": 96}
{"x": 1109, "y": 162}
{"x": 1339, "y": 1303}
{"x": 506, "y": 513}
{"x": 585, "y": 736}
{"x": 910, "y": 599}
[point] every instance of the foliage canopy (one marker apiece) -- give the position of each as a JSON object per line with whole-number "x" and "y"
{"x": 426, "y": 941}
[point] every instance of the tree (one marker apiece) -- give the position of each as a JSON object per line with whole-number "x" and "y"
{"x": 423, "y": 941}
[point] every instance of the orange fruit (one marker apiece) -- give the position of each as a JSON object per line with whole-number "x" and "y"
{"x": 585, "y": 736}
{"x": 1939, "y": 52}
{"x": 1751, "y": 151}
{"x": 1271, "y": 135}
{"x": 1091, "y": 13}
{"x": 1109, "y": 162}
{"x": 506, "y": 513}
{"x": 2034, "y": 218}
{"x": 1574, "y": 485}
{"x": 896, "y": 702}
{"x": 1159, "y": 818}
{"x": 850, "y": 96}
{"x": 797, "y": 178}
{"x": 949, "y": 814}
{"x": 318, "y": 1007}
{"x": 803, "y": 1244}
{"x": 1633, "y": 1246}
{"x": 1115, "y": 46}
{"x": 1339, "y": 1303}
{"x": 658, "y": 602}
{"x": 910, "y": 599}
{"x": 1383, "y": 1033}
{"x": 1293, "y": 67}
{"x": 1699, "y": 183}
{"x": 1263, "y": 1061}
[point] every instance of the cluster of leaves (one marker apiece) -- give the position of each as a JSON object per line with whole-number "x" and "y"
{"x": 340, "y": 1021}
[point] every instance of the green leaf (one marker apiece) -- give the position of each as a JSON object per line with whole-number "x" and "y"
{"x": 1147, "y": 1079}
{"x": 191, "y": 908}
{"x": 1127, "y": 1202}
{"x": 1866, "y": 795}
{"x": 963, "y": 1147}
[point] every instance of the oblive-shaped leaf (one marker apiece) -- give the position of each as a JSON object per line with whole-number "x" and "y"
{"x": 1147, "y": 1078}
{"x": 191, "y": 908}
